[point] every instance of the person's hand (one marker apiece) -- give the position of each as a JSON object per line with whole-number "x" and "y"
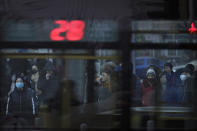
{"x": 35, "y": 77}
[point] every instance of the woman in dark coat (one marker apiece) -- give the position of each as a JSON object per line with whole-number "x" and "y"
{"x": 149, "y": 85}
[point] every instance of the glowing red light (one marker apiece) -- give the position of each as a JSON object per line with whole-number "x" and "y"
{"x": 192, "y": 29}
{"x": 74, "y": 30}
{"x": 55, "y": 33}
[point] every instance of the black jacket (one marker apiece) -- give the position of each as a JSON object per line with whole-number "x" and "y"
{"x": 22, "y": 103}
{"x": 188, "y": 91}
{"x": 49, "y": 89}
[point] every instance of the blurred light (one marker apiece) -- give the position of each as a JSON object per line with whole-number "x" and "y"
{"x": 76, "y": 30}
{"x": 192, "y": 29}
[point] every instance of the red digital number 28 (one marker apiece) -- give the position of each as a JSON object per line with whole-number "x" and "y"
{"x": 74, "y": 30}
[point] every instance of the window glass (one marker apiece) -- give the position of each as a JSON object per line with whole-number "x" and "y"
{"x": 49, "y": 88}
{"x": 140, "y": 62}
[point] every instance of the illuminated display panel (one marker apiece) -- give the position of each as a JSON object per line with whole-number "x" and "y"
{"x": 164, "y": 32}
{"x": 74, "y": 30}
{"x": 61, "y": 30}
{"x": 99, "y": 31}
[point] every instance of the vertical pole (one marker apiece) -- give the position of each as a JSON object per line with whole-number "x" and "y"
{"x": 90, "y": 76}
{"x": 191, "y": 9}
{"x": 183, "y": 9}
{"x": 125, "y": 40}
{"x": 194, "y": 103}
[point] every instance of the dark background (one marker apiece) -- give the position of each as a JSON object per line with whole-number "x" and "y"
{"x": 97, "y": 9}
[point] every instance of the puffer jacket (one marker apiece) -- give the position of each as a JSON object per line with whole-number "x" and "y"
{"x": 22, "y": 103}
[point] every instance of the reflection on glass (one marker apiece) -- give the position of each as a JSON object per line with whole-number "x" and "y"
{"x": 52, "y": 88}
{"x": 170, "y": 73}
{"x": 55, "y": 91}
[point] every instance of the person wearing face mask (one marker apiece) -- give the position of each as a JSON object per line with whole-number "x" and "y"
{"x": 187, "y": 84}
{"x": 35, "y": 80}
{"x": 49, "y": 86}
{"x": 21, "y": 102}
{"x": 149, "y": 84}
{"x": 171, "y": 94}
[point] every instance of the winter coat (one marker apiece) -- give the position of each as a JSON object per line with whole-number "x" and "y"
{"x": 188, "y": 86}
{"x": 22, "y": 103}
{"x": 173, "y": 94}
{"x": 49, "y": 89}
{"x": 148, "y": 90}
{"x": 171, "y": 79}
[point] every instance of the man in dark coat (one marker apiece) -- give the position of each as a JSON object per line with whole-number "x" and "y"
{"x": 172, "y": 94}
{"x": 49, "y": 85}
{"x": 21, "y": 103}
{"x": 170, "y": 75}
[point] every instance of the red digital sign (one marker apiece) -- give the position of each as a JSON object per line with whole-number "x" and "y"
{"x": 193, "y": 29}
{"x": 74, "y": 30}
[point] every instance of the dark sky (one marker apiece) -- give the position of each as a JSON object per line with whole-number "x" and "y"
{"x": 69, "y": 9}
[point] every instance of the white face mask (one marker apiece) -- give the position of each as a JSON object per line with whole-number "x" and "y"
{"x": 183, "y": 77}
{"x": 48, "y": 76}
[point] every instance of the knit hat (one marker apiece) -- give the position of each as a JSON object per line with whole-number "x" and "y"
{"x": 150, "y": 71}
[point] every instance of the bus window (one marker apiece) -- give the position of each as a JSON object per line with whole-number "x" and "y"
{"x": 98, "y": 64}
{"x": 167, "y": 85}
{"x": 167, "y": 80}
{"x": 59, "y": 87}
